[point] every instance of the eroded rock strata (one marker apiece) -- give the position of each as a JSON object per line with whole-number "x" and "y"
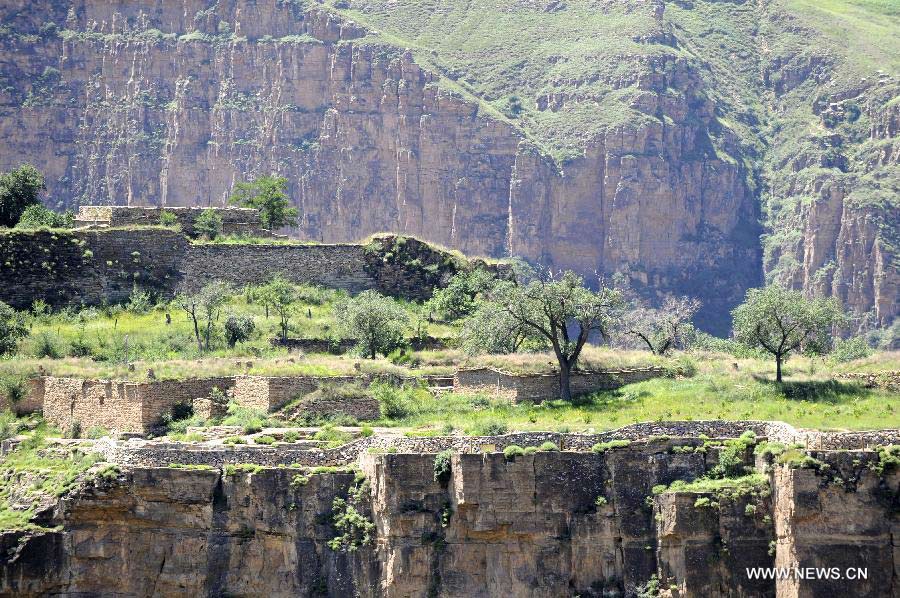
{"x": 530, "y": 525}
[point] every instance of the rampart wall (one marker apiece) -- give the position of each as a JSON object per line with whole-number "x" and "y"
{"x": 539, "y": 387}
{"x": 235, "y": 221}
{"x": 90, "y": 266}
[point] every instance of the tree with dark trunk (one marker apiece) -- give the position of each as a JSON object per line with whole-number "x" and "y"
{"x": 564, "y": 312}
{"x": 660, "y": 328}
{"x": 781, "y": 321}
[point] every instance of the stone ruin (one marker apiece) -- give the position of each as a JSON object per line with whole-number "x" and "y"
{"x": 235, "y": 221}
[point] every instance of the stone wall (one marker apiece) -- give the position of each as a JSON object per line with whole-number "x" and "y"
{"x": 333, "y": 266}
{"x": 32, "y": 402}
{"x": 235, "y": 221}
{"x": 76, "y": 267}
{"x": 121, "y": 406}
{"x": 268, "y": 393}
{"x": 89, "y": 266}
{"x": 539, "y": 387}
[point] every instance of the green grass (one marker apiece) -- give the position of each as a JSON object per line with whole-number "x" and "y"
{"x": 28, "y": 475}
{"x": 716, "y": 392}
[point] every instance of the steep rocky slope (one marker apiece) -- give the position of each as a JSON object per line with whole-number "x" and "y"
{"x": 637, "y": 137}
{"x": 495, "y": 526}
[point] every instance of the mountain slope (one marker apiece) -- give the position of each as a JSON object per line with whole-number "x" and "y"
{"x": 654, "y": 139}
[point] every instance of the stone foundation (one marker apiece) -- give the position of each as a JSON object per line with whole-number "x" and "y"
{"x": 539, "y": 387}
{"x": 235, "y": 221}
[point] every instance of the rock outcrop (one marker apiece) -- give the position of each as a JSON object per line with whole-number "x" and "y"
{"x": 548, "y": 524}
{"x": 170, "y": 104}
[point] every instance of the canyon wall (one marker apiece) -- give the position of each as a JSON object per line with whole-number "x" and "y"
{"x": 164, "y": 104}
{"x": 530, "y": 525}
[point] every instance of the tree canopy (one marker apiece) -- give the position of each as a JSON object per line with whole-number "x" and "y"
{"x": 19, "y": 188}
{"x": 781, "y": 321}
{"x": 266, "y": 194}
{"x": 564, "y": 312}
{"x": 377, "y": 322}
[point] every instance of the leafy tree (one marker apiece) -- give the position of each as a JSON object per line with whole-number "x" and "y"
{"x": 375, "y": 321}
{"x": 19, "y": 188}
{"x": 203, "y": 309}
{"x": 37, "y": 216}
{"x": 781, "y": 321}
{"x": 661, "y": 329}
{"x": 460, "y": 297}
{"x": 208, "y": 224}
{"x": 238, "y": 329}
{"x": 553, "y": 308}
{"x": 491, "y": 329}
{"x": 281, "y": 296}
{"x": 12, "y": 328}
{"x": 266, "y": 194}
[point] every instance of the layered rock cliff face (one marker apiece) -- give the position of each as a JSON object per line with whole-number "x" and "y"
{"x": 655, "y": 170}
{"x": 532, "y": 525}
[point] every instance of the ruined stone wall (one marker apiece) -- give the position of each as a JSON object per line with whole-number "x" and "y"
{"x": 74, "y": 267}
{"x": 333, "y": 266}
{"x": 539, "y": 387}
{"x": 117, "y": 405}
{"x": 235, "y": 221}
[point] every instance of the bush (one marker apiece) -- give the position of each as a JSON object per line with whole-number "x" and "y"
{"x": 47, "y": 345}
{"x": 97, "y": 432}
{"x": 251, "y": 420}
{"x": 394, "y": 401}
{"x": 208, "y": 224}
{"x": 443, "y": 466}
{"x": 513, "y": 451}
{"x": 491, "y": 428}
{"x": 238, "y": 329}
{"x": 167, "y": 218}
{"x": 548, "y": 446}
{"x": 291, "y": 436}
{"x": 37, "y": 216}
{"x": 850, "y": 350}
{"x": 139, "y": 302}
{"x": 80, "y": 347}
{"x": 264, "y": 439}
{"x": 602, "y": 447}
{"x": 329, "y": 433}
{"x": 14, "y": 388}
{"x": 12, "y": 329}
{"x": 234, "y": 440}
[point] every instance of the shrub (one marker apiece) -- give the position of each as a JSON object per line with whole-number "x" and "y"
{"x": 74, "y": 430}
{"x": 234, "y": 440}
{"x": 251, "y": 420}
{"x": 601, "y": 501}
{"x": 12, "y": 329}
{"x": 530, "y": 450}
{"x": 265, "y": 439}
{"x": 37, "y": 216}
{"x": 14, "y": 388}
{"x": 167, "y": 218}
{"x": 548, "y": 446}
{"x": 139, "y": 302}
{"x": 208, "y": 224}
{"x": 392, "y": 400}
{"x": 850, "y": 349}
{"x": 238, "y": 329}
{"x": 47, "y": 345}
{"x": 291, "y": 436}
{"x": 491, "y": 428}
{"x": 329, "y": 433}
{"x": 80, "y": 347}
{"x": 366, "y": 431}
{"x": 513, "y": 451}
{"x": 97, "y": 432}
{"x": 602, "y": 447}
{"x": 442, "y": 466}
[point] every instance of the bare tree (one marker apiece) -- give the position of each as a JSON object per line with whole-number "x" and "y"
{"x": 661, "y": 328}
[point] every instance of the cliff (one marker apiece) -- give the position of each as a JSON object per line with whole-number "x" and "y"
{"x": 648, "y": 150}
{"x": 532, "y": 525}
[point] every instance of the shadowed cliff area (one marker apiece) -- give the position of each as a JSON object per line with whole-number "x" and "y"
{"x": 698, "y": 147}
